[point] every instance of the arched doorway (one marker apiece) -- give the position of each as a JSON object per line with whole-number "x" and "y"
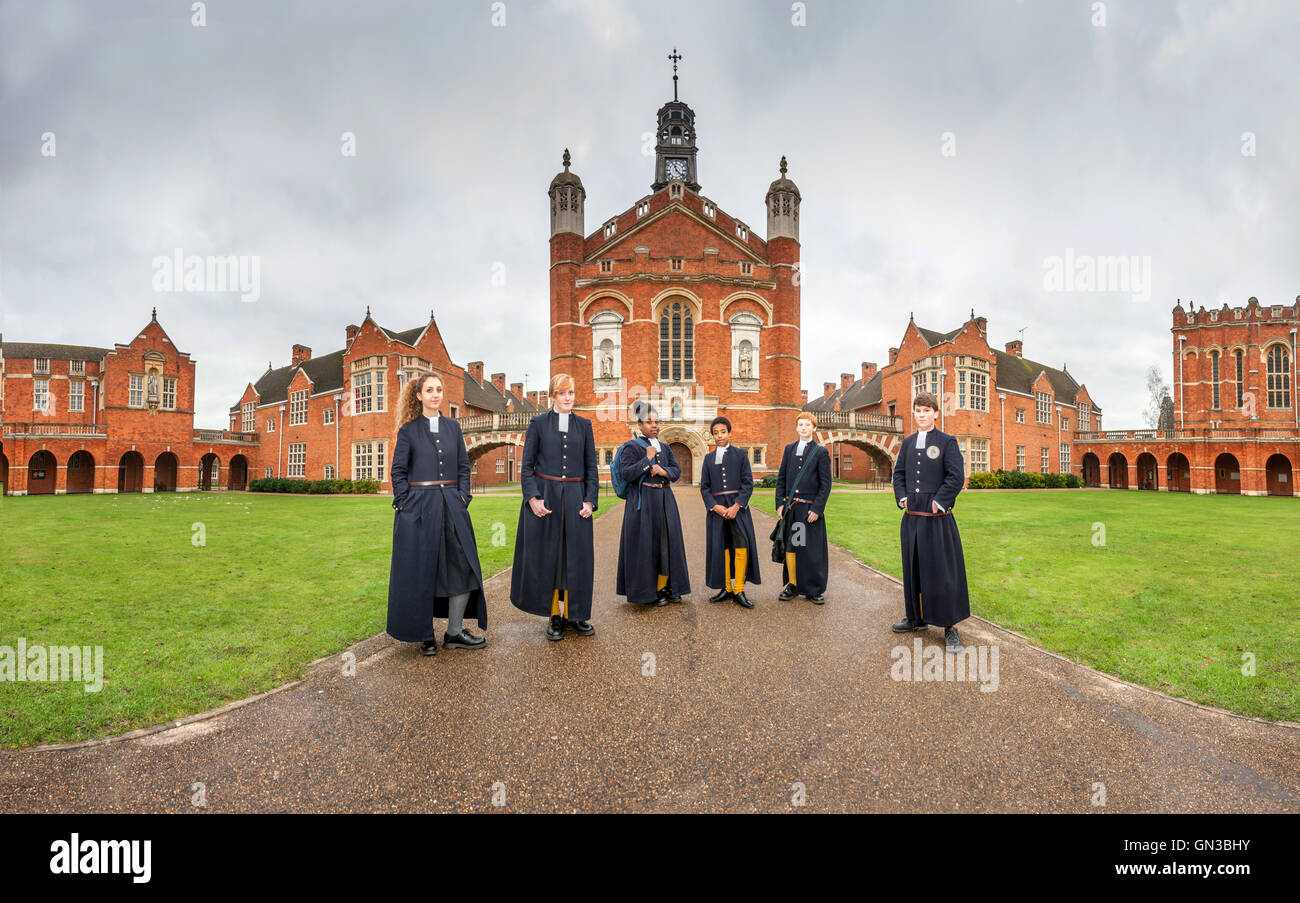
{"x": 685, "y": 462}
{"x": 1227, "y": 474}
{"x": 130, "y": 473}
{"x": 164, "y": 473}
{"x": 1178, "y": 473}
{"x": 1118, "y": 471}
{"x": 237, "y": 477}
{"x": 4, "y": 474}
{"x": 81, "y": 473}
{"x": 1146, "y": 471}
{"x": 209, "y": 472}
{"x": 1091, "y": 470}
{"x": 42, "y": 470}
{"x": 1278, "y": 475}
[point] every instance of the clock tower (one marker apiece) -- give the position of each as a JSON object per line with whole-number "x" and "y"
{"x": 675, "y": 141}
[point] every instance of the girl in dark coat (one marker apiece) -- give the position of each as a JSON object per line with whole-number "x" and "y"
{"x": 435, "y": 569}
{"x": 726, "y": 483}
{"x": 801, "y": 508}
{"x": 651, "y": 553}
{"x": 554, "y": 545}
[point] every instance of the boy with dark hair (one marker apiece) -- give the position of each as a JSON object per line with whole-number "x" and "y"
{"x": 651, "y": 552}
{"x": 927, "y": 478}
{"x": 731, "y": 552}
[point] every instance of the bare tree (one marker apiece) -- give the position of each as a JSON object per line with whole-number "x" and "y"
{"x": 1157, "y": 395}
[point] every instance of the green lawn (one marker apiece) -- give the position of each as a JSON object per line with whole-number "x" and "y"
{"x": 279, "y": 581}
{"x": 1182, "y": 587}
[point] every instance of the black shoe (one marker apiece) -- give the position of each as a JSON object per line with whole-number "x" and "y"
{"x": 907, "y": 624}
{"x": 583, "y": 628}
{"x": 429, "y": 647}
{"x": 819, "y": 599}
{"x": 742, "y": 600}
{"x": 722, "y": 596}
{"x": 951, "y": 640}
{"x": 556, "y": 630}
{"x": 675, "y": 597}
{"x": 463, "y": 640}
{"x": 788, "y": 593}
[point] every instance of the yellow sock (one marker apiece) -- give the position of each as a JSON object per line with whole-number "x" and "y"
{"x": 789, "y": 566}
{"x": 556, "y": 608}
{"x": 726, "y": 569}
{"x": 663, "y": 581}
{"x": 739, "y": 581}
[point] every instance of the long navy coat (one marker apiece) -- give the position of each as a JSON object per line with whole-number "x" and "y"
{"x": 934, "y": 566}
{"x": 812, "y": 554}
{"x": 735, "y": 480}
{"x": 429, "y": 521}
{"x": 537, "y": 539}
{"x": 646, "y": 511}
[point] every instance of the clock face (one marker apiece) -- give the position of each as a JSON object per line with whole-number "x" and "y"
{"x": 675, "y": 169}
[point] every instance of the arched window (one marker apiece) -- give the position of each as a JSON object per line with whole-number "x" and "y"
{"x": 676, "y": 343}
{"x": 1214, "y": 380}
{"x": 1279, "y": 377}
{"x": 1240, "y": 374}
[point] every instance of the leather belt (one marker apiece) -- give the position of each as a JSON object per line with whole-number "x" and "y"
{"x": 435, "y": 483}
{"x": 930, "y": 513}
{"x": 725, "y": 492}
{"x": 558, "y": 479}
{"x": 655, "y": 485}
{"x": 801, "y": 501}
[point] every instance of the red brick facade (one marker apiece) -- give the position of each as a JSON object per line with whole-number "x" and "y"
{"x": 1235, "y": 426}
{"x": 675, "y": 301}
{"x": 80, "y": 419}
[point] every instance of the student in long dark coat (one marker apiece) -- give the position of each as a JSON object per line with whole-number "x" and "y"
{"x": 927, "y": 477}
{"x": 554, "y": 546}
{"x": 731, "y": 551}
{"x": 435, "y": 569}
{"x": 651, "y": 552}
{"x": 802, "y": 509}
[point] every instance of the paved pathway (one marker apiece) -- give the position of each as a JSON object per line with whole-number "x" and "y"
{"x": 744, "y": 711}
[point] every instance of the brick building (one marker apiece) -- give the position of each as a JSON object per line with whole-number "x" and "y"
{"x": 84, "y": 419}
{"x": 331, "y": 417}
{"x": 678, "y": 302}
{"x": 1007, "y": 412}
{"x": 1236, "y": 427}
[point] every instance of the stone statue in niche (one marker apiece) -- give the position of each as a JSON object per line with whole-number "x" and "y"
{"x": 746, "y": 362}
{"x": 606, "y": 366}
{"x": 677, "y": 409}
{"x": 153, "y": 385}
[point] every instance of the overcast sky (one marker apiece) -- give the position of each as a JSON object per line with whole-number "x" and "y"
{"x": 945, "y": 151}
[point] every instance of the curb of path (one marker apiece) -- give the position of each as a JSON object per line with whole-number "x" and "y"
{"x": 1291, "y": 725}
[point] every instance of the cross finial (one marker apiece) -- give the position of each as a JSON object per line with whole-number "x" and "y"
{"x": 783, "y": 166}
{"x": 566, "y": 159}
{"x": 674, "y": 56}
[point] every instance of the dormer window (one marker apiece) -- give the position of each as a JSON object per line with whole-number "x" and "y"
{"x": 42, "y": 365}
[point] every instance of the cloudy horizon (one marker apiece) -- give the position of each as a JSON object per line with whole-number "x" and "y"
{"x": 946, "y": 153}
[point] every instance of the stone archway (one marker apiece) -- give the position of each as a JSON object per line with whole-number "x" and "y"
{"x": 81, "y": 473}
{"x": 237, "y": 476}
{"x": 130, "y": 473}
{"x": 42, "y": 471}
{"x": 1091, "y": 470}
{"x": 209, "y": 472}
{"x": 4, "y": 474}
{"x": 874, "y": 465}
{"x": 1227, "y": 474}
{"x": 1118, "y": 467}
{"x": 688, "y": 447}
{"x": 685, "y": 461}
{"x": 1277, "y": 475}
{"x": 482, "y": 451}
{"x": 1146, "y": 471}
{"x": 164, "y": 473}
{"x": 1178, "y": 473}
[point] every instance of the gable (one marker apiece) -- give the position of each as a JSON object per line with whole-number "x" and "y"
{"x": 673, "y": 230}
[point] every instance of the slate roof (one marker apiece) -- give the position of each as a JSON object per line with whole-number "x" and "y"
{"x": 858, "y": 395}
{"x": 485, "y": 396}
{"x": 1017, "y": 374}
{"x": 20, "y": 350}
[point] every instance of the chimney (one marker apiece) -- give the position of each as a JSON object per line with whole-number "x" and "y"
{"x": 828, "y": 389}
{"x": 983, "y": 324}
{"x": 532, "y": 397}
{"x": 846, "y": 380}
{"x": 299, "y": 354}
{"x": 543, "y": 398}
{"x": 499, "y": 381}
{"x": 476, "y": 370}
{"x": 805, "y": 396}
{"x": 868, "y": 370}
{"x": 517, "y": 389}
{"x": 1015, "y": 347}
{"x": 352, "y": 332}
{"x": 893, "y": 356}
